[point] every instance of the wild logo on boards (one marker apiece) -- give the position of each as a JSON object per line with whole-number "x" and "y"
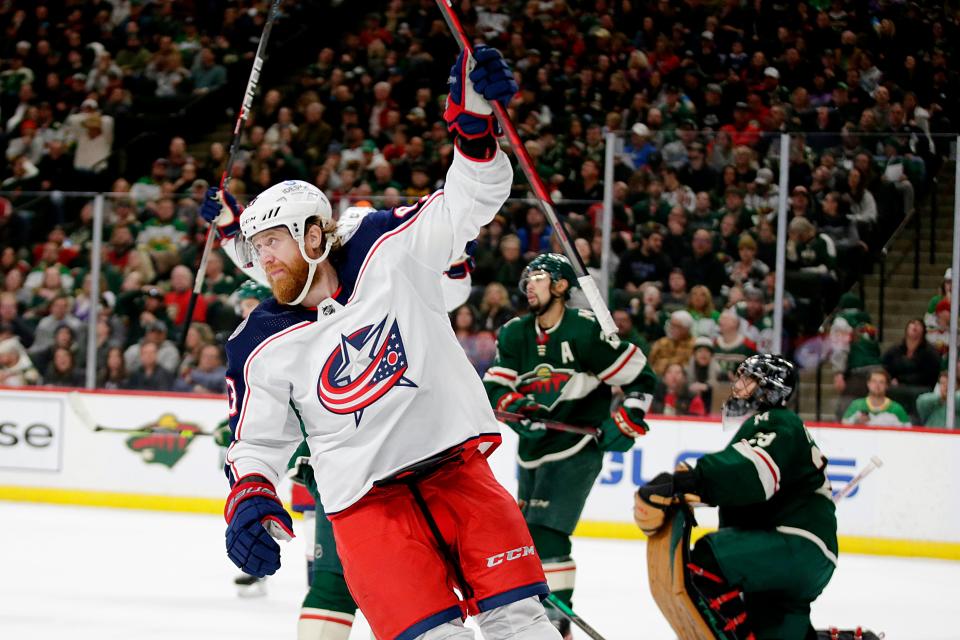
{"x": 164, "y": 441}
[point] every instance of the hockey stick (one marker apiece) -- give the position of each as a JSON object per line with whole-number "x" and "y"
{"x": 245, "y": 107}
{"x": 585, "y": 280}
{"x": 85, "y": 417}
{"x": 549, "y": 424}
{"x": 570, "y": 615}
{"x": 874, "y": 464}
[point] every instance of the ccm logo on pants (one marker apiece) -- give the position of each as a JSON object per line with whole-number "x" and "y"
{"x": 513, "y": 554}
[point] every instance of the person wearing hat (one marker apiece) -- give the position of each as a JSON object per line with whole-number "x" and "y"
{"x": 644, "y": 263}
{"x": 712, "y": 113}
{"x": 801, "y": 205}
{"x": 638, "y": 150}
{"x": 702, "y": 371}
{"x": 744, "y": 131}
{"x": 155, "y": 332}
{"x": 757, "y": 324}
{"x": 763, "y": 196}
{"x": 734, "y": 204}
{"x": 697, "y": 174}
{"x": 93, "y": 132}
{"x": 944, "y": 291}
{"x": 676, "y": 107}
{"x": 705, "y": 55}
{"x": 676, "y": 346}
{"x": 938, "y": 327}
{"x": 855, "y": 350}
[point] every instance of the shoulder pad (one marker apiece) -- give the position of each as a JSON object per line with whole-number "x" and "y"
{"x": 267, "y": 319}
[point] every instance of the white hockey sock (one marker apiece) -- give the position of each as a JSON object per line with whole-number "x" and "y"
{"x": 524, "y": 620}
{"x": 323, "y": 624}
{"x": 561, "y": 575}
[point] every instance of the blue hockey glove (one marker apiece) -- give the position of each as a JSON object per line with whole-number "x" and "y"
{"x": 474, "y": 82}
{"x": 624, "y": 425}
{"x": 223, "y": 211}
{"x": 464, "y": 266}
{"x": 255, "y": 516}
{"x": 514, "y": 402}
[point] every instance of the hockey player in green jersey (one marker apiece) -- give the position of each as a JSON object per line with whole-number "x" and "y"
{"x": 556, "y": 363}
{"x": 776, "y": 548}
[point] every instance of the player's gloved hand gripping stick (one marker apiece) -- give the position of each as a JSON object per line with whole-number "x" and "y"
{"x": 223, "y": 210}
{"x": 477, "y": 127}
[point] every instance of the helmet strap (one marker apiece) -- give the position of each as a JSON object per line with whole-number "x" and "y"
{"x": 313, "y": 262}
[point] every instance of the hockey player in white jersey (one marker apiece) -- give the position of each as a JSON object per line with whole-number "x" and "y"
{"x": 357, "y": 344}
{"x": 328, "y": 609}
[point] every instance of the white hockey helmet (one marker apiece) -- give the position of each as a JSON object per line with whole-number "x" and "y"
{"x": 290, "y": 204}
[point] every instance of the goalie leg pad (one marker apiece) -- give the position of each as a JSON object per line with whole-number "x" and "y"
{"x": 720, "y": 603}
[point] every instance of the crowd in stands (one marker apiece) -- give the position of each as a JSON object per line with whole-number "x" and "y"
{"x": 699, "y": 93}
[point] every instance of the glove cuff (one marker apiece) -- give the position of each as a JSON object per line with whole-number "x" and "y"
{"x": 507, "y": 399}
{"x": 247, "y": 487}
{"x": 627, "y": 426}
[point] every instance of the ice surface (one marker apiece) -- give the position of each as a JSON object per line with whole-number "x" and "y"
{"x": 104, "y": 574}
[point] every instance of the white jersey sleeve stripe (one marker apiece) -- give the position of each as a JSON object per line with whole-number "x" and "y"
{"x": 766, "y": 469}
{"x": 501, "y": 375}
{"x": 774, "y": 469}
{"x": 625, "y": 368}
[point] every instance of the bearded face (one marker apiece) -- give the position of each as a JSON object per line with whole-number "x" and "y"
{"x": 288, "y": 279}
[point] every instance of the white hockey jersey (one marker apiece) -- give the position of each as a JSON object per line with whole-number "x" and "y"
{"x": 375, "y": 372}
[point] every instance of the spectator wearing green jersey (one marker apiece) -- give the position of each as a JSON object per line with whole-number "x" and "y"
{"x": 876, "y": 409}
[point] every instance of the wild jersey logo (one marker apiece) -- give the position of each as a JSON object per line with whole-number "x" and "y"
{"x": 545, "y": 383}
{"x": 367, "y": 364}
{"x": 164, "y": 441}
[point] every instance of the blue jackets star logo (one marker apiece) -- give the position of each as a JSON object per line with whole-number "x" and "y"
{"x": 362, "y": 369}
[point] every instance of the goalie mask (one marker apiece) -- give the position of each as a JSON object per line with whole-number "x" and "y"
{"x": 292, "y": 204}
{"x": 763, "y": 382}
